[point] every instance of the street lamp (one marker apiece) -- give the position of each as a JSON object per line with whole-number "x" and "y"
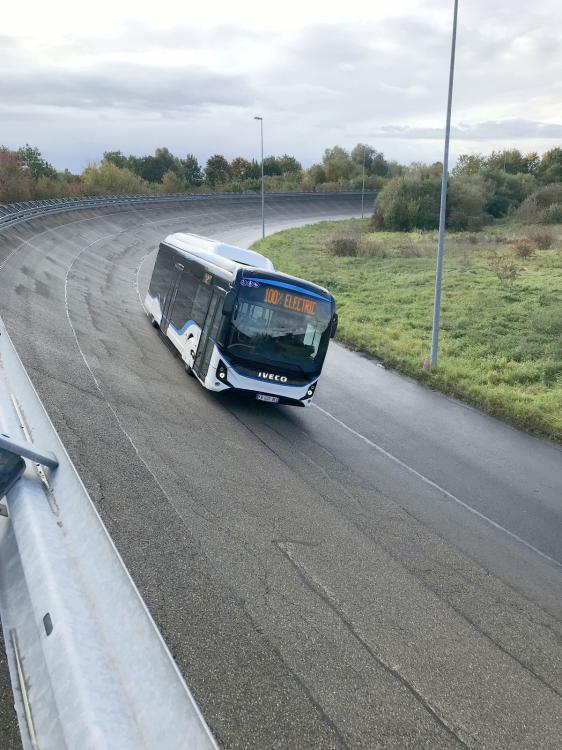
{"x": 262, "y": 183}
{"x": 363, "y": 188}
{"x": 443, "y": 208}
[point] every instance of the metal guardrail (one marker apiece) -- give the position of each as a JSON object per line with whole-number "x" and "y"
{"x": 14, "y": 213}
{"x": 88, "y": 665}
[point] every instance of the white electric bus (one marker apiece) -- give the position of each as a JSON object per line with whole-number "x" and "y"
{"x": 237, "y": 323}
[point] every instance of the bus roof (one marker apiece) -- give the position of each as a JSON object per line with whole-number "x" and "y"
{"x": 220, "y": 254}
{"x": 226, "y": 260}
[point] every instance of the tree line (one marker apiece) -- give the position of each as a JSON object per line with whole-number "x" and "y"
{"x": 481, "y": 187}
{"x": 25, "y": 174}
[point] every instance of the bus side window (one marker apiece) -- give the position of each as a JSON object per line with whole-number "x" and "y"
{"x": 162, "y": 274}
{"x": 183, "y": 306}
{"x": 218, "y": 319}
{"x": 201, "y": 303}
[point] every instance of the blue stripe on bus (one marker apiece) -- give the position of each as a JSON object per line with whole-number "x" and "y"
{"x": 179, "y": 331}
{"x": 283, "y": 284}
{"x": 185, "y": 326}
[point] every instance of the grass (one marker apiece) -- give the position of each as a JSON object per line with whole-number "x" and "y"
{"x": 501, "y": 340}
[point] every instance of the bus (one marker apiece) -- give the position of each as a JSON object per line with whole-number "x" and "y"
{"x": 237, "y": 323}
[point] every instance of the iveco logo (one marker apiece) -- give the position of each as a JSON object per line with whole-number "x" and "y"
{"x": 271, "y": 376}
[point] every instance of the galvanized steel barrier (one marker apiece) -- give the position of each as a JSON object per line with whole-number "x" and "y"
{"x": 88, "y": 665}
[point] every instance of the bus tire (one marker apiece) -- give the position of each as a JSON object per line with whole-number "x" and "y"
{"x": 189, "y": 370}
{"x": 154, "y": 323}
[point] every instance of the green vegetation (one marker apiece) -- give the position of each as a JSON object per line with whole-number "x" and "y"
{"x": 481, "y": 189}
{"x": 501, "y": 335}
{"x": 26, "y": 175}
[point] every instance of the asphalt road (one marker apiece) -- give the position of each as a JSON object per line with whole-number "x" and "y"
{"x": 381, "y": 570}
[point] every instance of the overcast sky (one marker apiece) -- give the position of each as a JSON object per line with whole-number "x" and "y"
{"x": 80, "y": 78}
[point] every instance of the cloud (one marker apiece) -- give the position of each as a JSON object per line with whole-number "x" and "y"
{"x": 479, "y": 131}
{"x": 382, "y": 81}
{"x": 126, "y": 87}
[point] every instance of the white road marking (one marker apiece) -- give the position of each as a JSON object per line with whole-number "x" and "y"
{"x": 438, "y": 487}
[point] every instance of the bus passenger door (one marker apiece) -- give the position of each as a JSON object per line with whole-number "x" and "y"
{"x": 171, "y": 297}
{"x": 205, "y": 348}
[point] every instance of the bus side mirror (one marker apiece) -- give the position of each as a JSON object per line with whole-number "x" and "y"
{"x": 334, "y": 327}
{"x": 229, "y": 302}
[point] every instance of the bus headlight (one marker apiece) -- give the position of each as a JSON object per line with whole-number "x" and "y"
{"x": 222, "y": 372}
{"x": 310, "y": 391}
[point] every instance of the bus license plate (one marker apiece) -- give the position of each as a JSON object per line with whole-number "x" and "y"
{"x": 269, "y": 399}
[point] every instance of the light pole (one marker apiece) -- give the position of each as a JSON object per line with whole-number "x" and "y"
{"x": 363, "y": 188}
{"x": 262, "y": 183}
{"x": 443, "y": 208}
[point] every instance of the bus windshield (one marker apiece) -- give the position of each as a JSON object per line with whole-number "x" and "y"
{"x": 274, "y": 326}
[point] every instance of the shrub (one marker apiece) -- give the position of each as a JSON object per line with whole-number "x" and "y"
{"x": 543, "y": 239}
{"x": 107, "y": 179}
{"x": 406, "y": 203}
{"x": 344, "y": 246}
{"x": 408, "y": 250}
{"x": 466, "y": 199}
{"x": 505, "y": 268}
{"x": 552, "y": 214}
{"x": 543, "y": 206}
{"x": 505, "y": 192}
{"x": 172, "y": 183}
{"x": 523, "y": 247}
{"x": 369, "y": 247}
{"x": 548, "y": 321}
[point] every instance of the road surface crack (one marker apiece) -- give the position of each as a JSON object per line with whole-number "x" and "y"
{"x": 331, "y": 601}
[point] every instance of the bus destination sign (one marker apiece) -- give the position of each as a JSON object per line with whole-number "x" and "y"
{"x": 289, "y": 301}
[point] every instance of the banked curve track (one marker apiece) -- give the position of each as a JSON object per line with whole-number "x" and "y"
{"x": 350, "y": 575}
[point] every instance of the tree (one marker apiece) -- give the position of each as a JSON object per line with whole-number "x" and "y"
{"x": 289, "y": 165}
{"x": 468, "y": 164}
{"x": 153, "y": 168}
{"x": 375, "y": 163}
{"x": 337, "y": 164}
{"x": 217, "y": 170}
{"x": 550, "y": 166}
{"x": 15, "y": 182}
{"x": 31, "y": 158}
{"x": 509, "y": 160}
{"x": 192, "y": 172}
{"x": 395, "y": 169}
{"x": 315, "y": 175}
{"x": 240, "y": 169}
{"x": 116, "y": 157}
{"x": 271, "y": 166}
